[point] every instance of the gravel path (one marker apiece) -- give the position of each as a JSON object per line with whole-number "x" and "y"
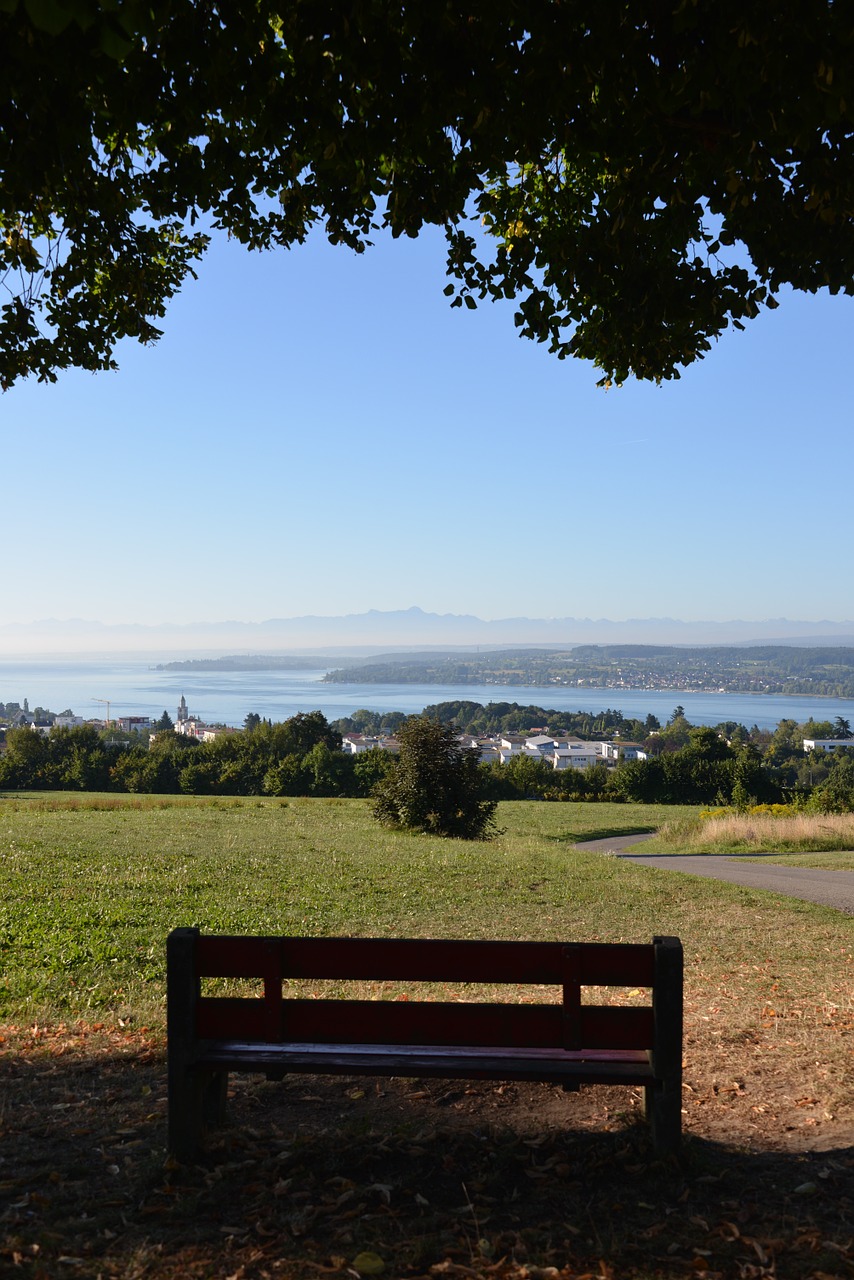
{"x": 828, "y": 888}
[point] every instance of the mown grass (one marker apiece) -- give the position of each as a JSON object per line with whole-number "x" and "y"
{"x": 834, "y": 861}
{"x": 828, "y": 837}
{"x": 89, "y": 892}
{"x": 88, "y": 896}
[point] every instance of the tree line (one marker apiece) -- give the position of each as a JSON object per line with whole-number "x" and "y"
{"x": 507, "y": 717}
{"x": 707, "y": 769}
{"x": 302, "y": 756}
{"x": 299, "y": 756}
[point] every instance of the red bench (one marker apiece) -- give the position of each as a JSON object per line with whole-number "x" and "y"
{"x": 565, "y": 1042}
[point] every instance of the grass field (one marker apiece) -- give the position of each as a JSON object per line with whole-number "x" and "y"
{"x": 488, "y": 1182}
{"x": 835, "y": 861}
{"x": 89, "y": 893}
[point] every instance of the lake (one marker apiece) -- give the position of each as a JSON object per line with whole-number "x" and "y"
{"x": 227, "y": 697}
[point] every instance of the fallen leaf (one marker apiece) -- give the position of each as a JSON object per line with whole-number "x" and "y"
{"x": 368, "y": 1264}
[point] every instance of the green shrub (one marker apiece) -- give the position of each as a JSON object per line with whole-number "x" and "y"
{"x": 435, "y": 785}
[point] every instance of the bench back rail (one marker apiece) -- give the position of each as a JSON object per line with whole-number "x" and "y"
{"x": 569, "y": 1025}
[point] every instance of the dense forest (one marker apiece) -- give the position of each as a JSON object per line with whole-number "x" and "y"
{"x": 826, "y": 671}
{"x": 507, "y": 717}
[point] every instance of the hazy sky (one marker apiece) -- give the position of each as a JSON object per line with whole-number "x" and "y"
{"x": 320, "y": 433}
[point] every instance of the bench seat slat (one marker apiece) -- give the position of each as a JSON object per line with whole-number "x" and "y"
{"x": 423, "y": 960}
{"x": 469, "y": 1062}
{"x": 423, "y": 1023}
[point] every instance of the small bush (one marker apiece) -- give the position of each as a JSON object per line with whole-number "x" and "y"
{"x": 435, "y": 785}
{"x": 770, "y": 810}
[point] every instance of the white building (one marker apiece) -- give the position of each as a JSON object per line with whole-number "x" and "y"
{"x": 575, "y": 754}
{"x": 190, "y": 726}
{"x": 828, "y": 744}
{"x": 355, "y": 744}
{"x": 134, "y": 724}
{"x": 623, "y": 751}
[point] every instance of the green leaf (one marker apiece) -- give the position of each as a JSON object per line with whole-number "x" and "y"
{"x": 48, "y": 15}
{"x": 114, "y": 44}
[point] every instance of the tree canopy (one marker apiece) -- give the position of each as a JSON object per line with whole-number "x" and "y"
{"x": 635, "y": 177}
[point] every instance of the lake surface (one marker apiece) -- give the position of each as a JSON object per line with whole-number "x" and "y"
{"x": 227, "y": 697}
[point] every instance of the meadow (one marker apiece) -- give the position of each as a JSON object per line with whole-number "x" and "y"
{"x": 494, "y": 1181}
{"x": 92, "y": 885}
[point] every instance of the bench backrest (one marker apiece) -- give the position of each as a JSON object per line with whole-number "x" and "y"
{"x": 569, "y": 1024}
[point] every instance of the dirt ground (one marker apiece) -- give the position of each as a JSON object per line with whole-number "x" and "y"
{"x": 349, "y": 1177}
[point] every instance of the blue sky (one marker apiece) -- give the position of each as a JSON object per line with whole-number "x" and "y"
{"x": 319, "y": 433}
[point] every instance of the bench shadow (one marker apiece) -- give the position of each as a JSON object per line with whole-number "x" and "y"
{"x": 464, "y": 1179}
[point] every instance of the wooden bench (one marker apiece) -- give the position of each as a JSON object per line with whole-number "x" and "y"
{"x": 565, "y": 1042}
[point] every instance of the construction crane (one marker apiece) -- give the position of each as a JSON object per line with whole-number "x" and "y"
{"x": 107, "y": 701}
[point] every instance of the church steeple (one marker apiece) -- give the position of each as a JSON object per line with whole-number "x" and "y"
{"x": 183, "y": 713}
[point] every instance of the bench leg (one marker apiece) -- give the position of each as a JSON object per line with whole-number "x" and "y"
{"x": 664, "y": 1096}
{"x": 214, "y": 1095}
{"x": 662, "y": 1107}
{"x": 185, "y": 1112}
{"x": 196, "y": 1098}
{"x": 196, "y": 1103}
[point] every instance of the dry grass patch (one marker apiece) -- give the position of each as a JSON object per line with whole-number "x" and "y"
{"x": 758, "y": 832}
{"x": 97, "y": 802}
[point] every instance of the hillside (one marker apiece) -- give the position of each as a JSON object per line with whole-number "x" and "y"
{"x": 822, "y": 671}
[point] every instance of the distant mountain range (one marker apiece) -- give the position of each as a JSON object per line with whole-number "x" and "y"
{"x": 401, "y": 629}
